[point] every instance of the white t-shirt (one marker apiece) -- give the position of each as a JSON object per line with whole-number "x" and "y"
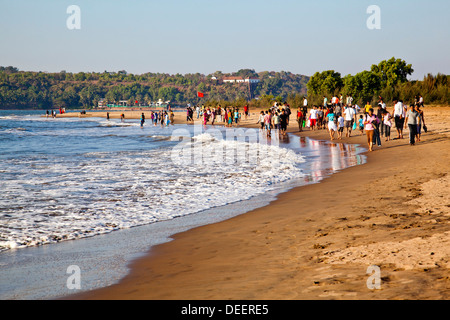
{"x": 398, "y": 109}
{"x": 305, "y": 103}
{"x": 349, "y": 114}
{"x": 341, "y": 121}
{"x": 313, "y": 113}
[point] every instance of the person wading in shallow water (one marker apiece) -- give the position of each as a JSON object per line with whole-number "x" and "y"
{"x": 284, "y": 122}
{"x": 142, "y": 119}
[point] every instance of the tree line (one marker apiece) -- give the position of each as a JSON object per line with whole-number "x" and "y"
{"x": 387, "y": 79}
{"x": 42, "y": 90}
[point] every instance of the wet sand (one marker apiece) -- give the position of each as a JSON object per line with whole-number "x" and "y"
{"x": 317, "y": 241}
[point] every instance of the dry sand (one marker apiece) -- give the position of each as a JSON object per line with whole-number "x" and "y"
{"x": 317, "y": 241}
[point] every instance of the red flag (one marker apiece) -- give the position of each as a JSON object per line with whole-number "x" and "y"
{"x": 136, "y": 102}
{"x": 200, "y": 94}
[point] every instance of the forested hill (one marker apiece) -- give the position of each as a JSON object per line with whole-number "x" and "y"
{"x": 24, "y": 89}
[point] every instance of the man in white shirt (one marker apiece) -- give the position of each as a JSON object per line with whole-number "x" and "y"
{"x": 349, "y": 115}
{"x": 313, "y": 117}
{"x": 399, "y": 116}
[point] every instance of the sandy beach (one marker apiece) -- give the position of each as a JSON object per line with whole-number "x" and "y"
{"x": 317, "y": 241}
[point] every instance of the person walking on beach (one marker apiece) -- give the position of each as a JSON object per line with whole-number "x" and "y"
{"x": 349, "y": 114}
{"x": 369, "y": 122}
{"x": 399, "y": 118}
{"x": 230, "y": 117}
{"x": 236, "y": 116}
{"x": 387, "y": 124}
{"x": 332, "y": 128}
{"x": 376, "y": 130}
{"x": 261, "y": 120}
{"x": 320, "y": 116}
{"x": 380, "y": 117}
{"x": 325, "y": 102}
{"x": 367, "y": 107}
{"x": 420, "y": 123}
{"x": 313, "y": 118}
{"x": 341, "y": 124}
{"x": 361, "y": 124}
{"x": 300, "y": 118}
{"x": 412, "y": 119}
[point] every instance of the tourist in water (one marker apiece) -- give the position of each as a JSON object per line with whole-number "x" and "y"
{"x": 268, "y": 123}
{"x": 142, "y": 120}
{"x": 276, "y": 120}
{"x": 171, "y": 117}
{"x": 284, "y": 122}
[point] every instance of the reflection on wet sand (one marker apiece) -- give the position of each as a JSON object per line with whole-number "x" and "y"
{"x": 326, "y": 157}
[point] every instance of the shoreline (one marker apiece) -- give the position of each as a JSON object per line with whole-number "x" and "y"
{"x": 260, "y": 255}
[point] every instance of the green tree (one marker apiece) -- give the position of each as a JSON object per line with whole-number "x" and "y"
{"x": 392, "y": 72}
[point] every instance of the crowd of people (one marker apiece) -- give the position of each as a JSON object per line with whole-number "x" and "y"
{"x": 164, "y": 118}
{"x": 339, "y": 116}
{"x": 229, "y": 116}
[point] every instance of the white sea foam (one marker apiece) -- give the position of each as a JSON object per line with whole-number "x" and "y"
{"x": 45, "y": 200}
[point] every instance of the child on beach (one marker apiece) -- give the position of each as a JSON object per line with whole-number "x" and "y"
{"x": 332, "y": 128}
{"x": 340, "y": 126}
{"x": 361, "y": 124}
{"x": 387, "y": 124}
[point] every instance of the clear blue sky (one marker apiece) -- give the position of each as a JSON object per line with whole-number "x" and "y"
{"x": 189, "y": 36}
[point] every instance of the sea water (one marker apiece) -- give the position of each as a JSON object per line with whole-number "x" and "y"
{"x": 75, "y": 178}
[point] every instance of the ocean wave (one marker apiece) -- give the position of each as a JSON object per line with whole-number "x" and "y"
{"x": 47, "y": 201}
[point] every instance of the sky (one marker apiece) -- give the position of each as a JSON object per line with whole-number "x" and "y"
{"x": 205, "y": 36}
